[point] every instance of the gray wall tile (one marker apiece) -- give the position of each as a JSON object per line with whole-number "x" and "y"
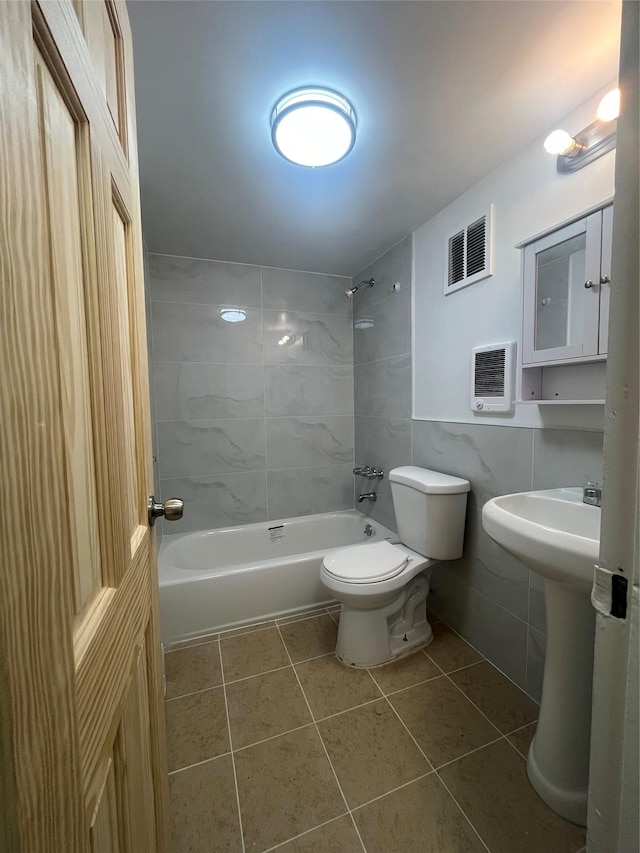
{"x": 495, "y": 460}
{"x": 383, "y": 388}
{"x": 192, "y": 391}
{"x": 189, "y": 332}
{"x": 174, "y": 279}
{"x": 317, "y": 338}
{"x": 289, "y": 290}
{"x": 383, "y": 443}
{"x": 210, "y": 447}
{"x": 536, "y": 645}
{"x": 382, "y": 329}
{"x": 215, "y": 398}
{"x": 493, "y": 571}
{"x": 218, "y": 500}
{"x": 308, "y": 442}
{"x": 563, "y": 457}
{"x": 494, "y": 631}
{"x": 308, "y": 389}
{"x": 394, "y": 265}
{"x": 305, "y": 491}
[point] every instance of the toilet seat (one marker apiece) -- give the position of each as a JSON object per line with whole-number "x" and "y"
{"x": 370, "y": 563}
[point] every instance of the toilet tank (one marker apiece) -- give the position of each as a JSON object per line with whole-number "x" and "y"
{"x": 430, "y": 510}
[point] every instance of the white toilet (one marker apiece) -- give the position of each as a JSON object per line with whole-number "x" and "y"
{"x": 383, "y": 587}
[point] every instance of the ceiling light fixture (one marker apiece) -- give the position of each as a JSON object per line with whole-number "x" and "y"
{"x": 574, "y": 152}
{"x": 233, "y": 315}
{"x": 313, "y": 127}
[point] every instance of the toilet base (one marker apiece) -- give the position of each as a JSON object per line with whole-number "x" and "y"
{"x": 373, "y": 637}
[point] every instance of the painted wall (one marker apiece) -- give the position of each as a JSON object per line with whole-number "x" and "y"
{"x": 529, "y": 197}
{"x": 488, "y": 596}
{"x": 248, "y": 429}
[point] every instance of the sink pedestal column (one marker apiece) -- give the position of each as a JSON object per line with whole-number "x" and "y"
{"x": 558, "y": 763}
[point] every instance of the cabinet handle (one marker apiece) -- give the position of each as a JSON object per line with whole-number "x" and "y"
{"x": 604, "y": 279}
{"x": 589, "y": 284}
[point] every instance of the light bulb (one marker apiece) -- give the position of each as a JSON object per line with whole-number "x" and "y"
{"x": 559, "y": 142}
{"x": 609, "y": 106}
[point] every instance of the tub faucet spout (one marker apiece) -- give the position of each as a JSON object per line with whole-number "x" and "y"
{"x": 367, "y": 496}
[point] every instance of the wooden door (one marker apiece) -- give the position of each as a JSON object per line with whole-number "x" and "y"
{"x": 82, "y": 764}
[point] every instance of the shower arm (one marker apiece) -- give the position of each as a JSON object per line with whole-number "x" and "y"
{"x": 351, "y": 292}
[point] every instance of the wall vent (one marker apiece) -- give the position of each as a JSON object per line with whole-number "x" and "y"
{"x": 469, "y": 253}
{"x": 492, "y": 378}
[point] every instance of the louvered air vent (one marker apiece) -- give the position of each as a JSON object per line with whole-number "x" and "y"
{"x": 468, "y": 253}
{"x": 492, "y": 375}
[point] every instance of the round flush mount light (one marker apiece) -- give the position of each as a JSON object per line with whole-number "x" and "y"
{"x": 313, "y": 127}
{"x": 233, "y": 315}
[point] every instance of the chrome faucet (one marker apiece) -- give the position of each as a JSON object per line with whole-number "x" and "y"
{"x": 367, "y": 496}
{"x": 592, "y": 493}
{"x": 368, "y": 473}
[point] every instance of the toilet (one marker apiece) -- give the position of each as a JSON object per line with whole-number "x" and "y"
{"x": 383, "y": 587}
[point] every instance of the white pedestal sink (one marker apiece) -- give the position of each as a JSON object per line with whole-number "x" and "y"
{"x": 558, "y": 537}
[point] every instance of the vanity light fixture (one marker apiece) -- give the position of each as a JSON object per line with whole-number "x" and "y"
{"x": 313, "y": 127}
{"x": 574, "y": 152}
{"x": 233, "y": 315}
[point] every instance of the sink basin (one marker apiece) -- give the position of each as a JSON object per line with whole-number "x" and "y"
{"x": 551, "y": 531}
{"x": 558, "y": 537}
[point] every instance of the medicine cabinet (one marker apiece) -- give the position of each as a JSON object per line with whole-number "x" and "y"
{"x": 566, "y": 286}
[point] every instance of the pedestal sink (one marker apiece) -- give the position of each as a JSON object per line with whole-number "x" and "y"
{"x": 558, "y": 537}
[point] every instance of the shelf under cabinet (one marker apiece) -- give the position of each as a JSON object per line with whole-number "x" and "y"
{"x": 560, "y": 402}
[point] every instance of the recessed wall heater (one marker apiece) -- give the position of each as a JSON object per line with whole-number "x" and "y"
{"x": 493, "y": 378}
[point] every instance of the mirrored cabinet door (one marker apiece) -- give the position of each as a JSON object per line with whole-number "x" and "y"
{"x": 561, "y": 293}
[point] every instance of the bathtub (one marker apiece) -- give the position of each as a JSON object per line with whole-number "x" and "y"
{"x": 217, "y": 579}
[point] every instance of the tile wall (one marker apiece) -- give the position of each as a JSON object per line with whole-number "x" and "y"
{"x": 488, "y": 596}
{"x": 248, "y": 429}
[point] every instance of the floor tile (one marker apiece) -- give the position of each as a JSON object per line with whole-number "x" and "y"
{"x": 491, "y": 786}
{"x": 445, "y": 724}
{"x": 449, "y": 650}
{"x": 193, "y": 668}
{"x": 286, "y": 787}
{"x": 264, "y": 706}
{"x": 339, "y": 836}
{"x": 371, "y": 751}
{"x": 506, "y": 705}
{"x": 522, "y": 739}
{"x": 204, "y": 809}
{"x": 310, "y": 638}
{"x": 420, "y": 818}
{"x": 331, "y": 687}
{"x": 196, "y": 728}
{"x": 405, "y": 672}
{"x": 251, "y": 654}
{"x": 335, "y": 615}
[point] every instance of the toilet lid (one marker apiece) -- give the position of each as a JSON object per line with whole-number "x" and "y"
{"x": 366, "y": 563}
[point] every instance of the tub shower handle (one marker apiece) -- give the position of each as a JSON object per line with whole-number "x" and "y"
{"x": 374, "y": 474}
{"x": 172, "y": 510}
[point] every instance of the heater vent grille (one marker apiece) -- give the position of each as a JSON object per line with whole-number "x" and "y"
{"x": 492, "y": 378}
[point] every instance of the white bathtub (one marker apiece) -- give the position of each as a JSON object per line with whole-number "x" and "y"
{"x": 217, "y": 579}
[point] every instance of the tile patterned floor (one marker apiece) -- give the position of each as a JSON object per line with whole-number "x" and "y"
{"x": 274, "y": 745}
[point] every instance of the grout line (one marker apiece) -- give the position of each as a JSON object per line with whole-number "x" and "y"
{"x": 261, "y": 266}
{"x": 198, "y": 763}
{"x": 471, "y": 752}
{"x": 411, "y": 686}
{"x": 479, "y": 710}
{"x": 348, "y": 710}
{"x": 273, "y": 737}
{"x": 462, "y": 668}
{"x": 256, "y": 675}
{"x": 305, "y": 833}
{"x": 394, "y": 790}
{"x": 464, "y": 814}
{"x": 520, "y": 728}
{"x": 193, "y": 693}
{"x": 335, "y": 775}
{"x": 233, "y": 760}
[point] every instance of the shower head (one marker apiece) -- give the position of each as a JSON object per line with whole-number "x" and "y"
{"x": 350, "y": 293}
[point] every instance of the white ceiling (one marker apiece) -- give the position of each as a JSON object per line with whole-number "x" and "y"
{"x": 443, "y": 91}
